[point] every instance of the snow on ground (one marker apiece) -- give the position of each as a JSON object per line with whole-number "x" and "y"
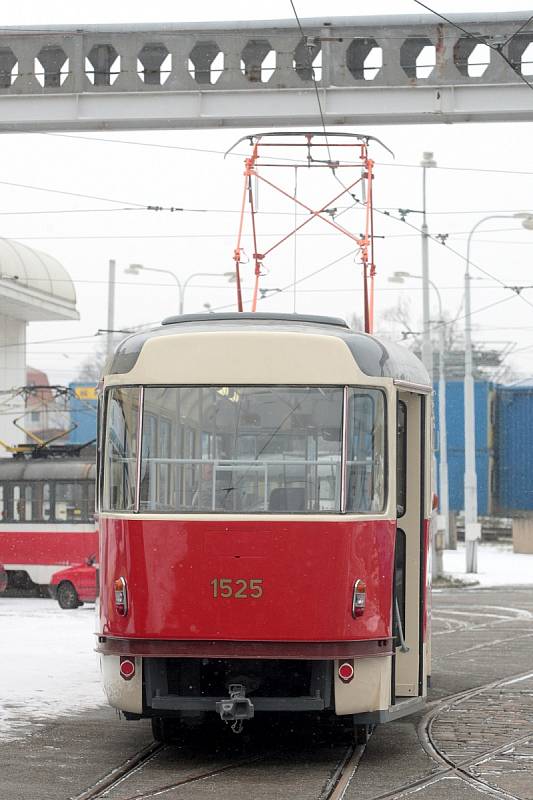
{"x": 48, "y": 666}
{"x": 497, "y": 564}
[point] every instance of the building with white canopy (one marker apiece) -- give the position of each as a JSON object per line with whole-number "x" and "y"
{"x": 34, "y": 286}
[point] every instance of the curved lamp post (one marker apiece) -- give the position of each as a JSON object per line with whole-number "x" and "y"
{"x": 399, "y": 277}
{"x": 135, "y": 269}
{"x": 472, "y": 527}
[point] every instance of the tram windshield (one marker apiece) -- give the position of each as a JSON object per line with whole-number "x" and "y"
{"x": 246, "y": 449}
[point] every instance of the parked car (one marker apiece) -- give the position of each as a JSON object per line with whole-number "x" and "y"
{"x": 75, "y": 585}
{"x": 3, "y": 579}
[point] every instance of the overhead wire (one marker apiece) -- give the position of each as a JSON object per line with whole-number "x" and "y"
{"x": 517, "y": 32}
{"x": 202, "y": 150}
{"x": 312, "y": 73}
{"x": 71, "y": 194}
{"x": 481, "y": 40}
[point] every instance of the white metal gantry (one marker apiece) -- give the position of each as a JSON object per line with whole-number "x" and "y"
{"x": 399, "y": 69}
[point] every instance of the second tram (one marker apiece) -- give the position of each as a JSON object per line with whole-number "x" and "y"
{"x": 46, "y": 516}
{"x": 264, "y": 504}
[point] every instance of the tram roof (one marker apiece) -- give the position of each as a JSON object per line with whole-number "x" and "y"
{"x": 373, "y": 356}
{"x": 32, "y": 469}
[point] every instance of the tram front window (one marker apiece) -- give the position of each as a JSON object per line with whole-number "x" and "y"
{"x": 228, "y": 449}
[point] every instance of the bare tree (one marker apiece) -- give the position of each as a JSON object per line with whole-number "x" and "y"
{"x": 92, "y": 367}
{"x": 355, "y": 322}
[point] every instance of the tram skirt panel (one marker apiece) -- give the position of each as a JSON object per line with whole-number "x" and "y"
{"x": 122, "y": 693}
{"x": 369, "y": 690}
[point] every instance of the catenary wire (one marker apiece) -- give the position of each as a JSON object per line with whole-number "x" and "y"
{"x": 519, "y": 30}
{"x": 201, "y": 150}
{"x": 312, "y": 71}
{"x": 495, "y": 48}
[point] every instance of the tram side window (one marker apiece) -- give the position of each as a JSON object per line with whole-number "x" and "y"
{"x": 365, "y": 463}
{"x": 401, "y": 460}
{"x": 70, "y": 502}
{"x": 25, "y": 502}
{"x": 120, "y": 449}
{"x": 41, "y": 498}
{"x": 22, "y": 506}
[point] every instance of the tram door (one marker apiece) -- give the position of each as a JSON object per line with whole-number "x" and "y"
{"x": 410, "y": 494}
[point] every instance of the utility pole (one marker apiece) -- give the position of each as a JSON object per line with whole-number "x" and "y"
{"x": 427, "y": 354}
{"x": 427, "y": 351}
{"x": 444, "y": 500}
{"x": 110, "y": 306}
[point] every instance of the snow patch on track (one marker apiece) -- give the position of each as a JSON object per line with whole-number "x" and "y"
{"x": 48, "y": 666}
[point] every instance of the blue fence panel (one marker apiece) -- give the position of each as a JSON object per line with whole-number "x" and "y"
{"x": 455, "y": 429}
{"x": 513, "y": 491}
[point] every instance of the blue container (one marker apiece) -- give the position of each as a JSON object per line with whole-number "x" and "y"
{"x": 513, "y": 464}
{"x": 455, "y": 429}
{"x": 83, "y": 409}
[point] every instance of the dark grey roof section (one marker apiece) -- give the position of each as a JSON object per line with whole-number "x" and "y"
{"x": 254, "y": 316}
{"x": 373, "y": 356}
{"x": 73, "y": 469}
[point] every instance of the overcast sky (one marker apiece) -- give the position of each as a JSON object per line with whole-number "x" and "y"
{"x": 132, "y": 168}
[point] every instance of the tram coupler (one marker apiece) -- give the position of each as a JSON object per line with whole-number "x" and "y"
{"x": 237, "y": 706}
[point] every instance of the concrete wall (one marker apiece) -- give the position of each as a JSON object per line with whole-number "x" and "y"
{"x": 12, "y": 374}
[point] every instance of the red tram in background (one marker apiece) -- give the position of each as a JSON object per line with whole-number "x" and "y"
{"x": 46, "y": 515}
{"x": 264, "y": 504}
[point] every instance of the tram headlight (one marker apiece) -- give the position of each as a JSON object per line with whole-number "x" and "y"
{"x": 121, "y": 596}
{"x": 358, "y": 598}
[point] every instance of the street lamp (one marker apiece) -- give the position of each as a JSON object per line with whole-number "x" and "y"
{"x": 399, "y": 277}
{"x": 472, "y": 527}
{"x": 110, "y": 306}
{"x": 135, "y": 269}
{"x": 427, "y": 356}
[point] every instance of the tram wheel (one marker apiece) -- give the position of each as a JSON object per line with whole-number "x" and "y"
{"x": 67, "y": 596}
{"x": 362, "y": 733}
{"x": 164, "y": 730}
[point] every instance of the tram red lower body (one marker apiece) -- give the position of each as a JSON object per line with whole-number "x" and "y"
{"x": 289, "y": 580}
{"x": 47, "y": 547}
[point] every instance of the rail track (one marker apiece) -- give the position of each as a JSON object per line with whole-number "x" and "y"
{"x": 442, "y": 714}
{"x": 333, "y": 785}
{"x": 460, "y": 768}
{"x": 343, "y": 770}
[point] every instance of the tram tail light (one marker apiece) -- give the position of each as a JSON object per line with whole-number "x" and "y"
{"x": 358, "y": 598}
{"x": 127, "y": 667}
{"x": 346, "y": 671}
{"x": 121, "y": 597}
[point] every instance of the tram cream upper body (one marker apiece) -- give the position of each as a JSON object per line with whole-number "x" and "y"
{"x": 247, "y": 357}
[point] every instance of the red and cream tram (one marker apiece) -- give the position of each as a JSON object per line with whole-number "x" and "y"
{"x": 264, "y": 495}
{"x": 46, "y": 516}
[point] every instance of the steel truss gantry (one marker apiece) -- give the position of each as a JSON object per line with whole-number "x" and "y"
{"x": 211, "y": 75}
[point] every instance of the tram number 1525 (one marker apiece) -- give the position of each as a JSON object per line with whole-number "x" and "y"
{"x": 240, "y": 589}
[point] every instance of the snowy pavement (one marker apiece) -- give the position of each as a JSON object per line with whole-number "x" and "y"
{"x": 498, "y": 565}
{"x": 48, "y": 666}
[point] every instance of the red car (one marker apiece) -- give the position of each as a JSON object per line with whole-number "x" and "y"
{"x": 3, "y": 579}
{"x": 75, "y": 585}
